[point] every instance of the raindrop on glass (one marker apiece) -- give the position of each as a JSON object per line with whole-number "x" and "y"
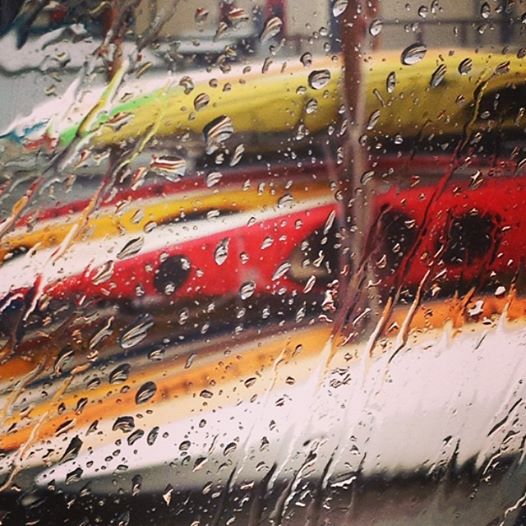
{"x": 247, "y": 290}
{"x": 201, "y": 14}
{"x": 465, "y": 66}
{"x": 373, "y": 119}
{"x": 306, "y": 59}
{"x": 311, "y": 106}
{"x": 216, "y": 132}
{"x": 281, "y": 271}
{"x": 413, "y": 54}
{"x": 318, "y": 79}
{"x": 201, "y": 101}
{"x": 167, "y": 494}
{"x": 136, "y": 485}
{"x": 339, "y": 6}
{"x": 376, "y": 27}
{"x": 135, "y": 334}
{"x": 120, "y": 373}
{"x": 390, "y": 83}
{"x": 438, "y": 75}
{"x": 131, "y": 248}
{"x": 221, "y": 251}
{"x": 237, "y": 15}
{"x": 213, "y": 178}
{"x": 145, "y": 392}
{"x": 423, "y": 11}
{"x": 187, "y": 84}
{"x": 124, "y": 424}
{"x": 485, "y": 10}
{"x": 271, "y": 29}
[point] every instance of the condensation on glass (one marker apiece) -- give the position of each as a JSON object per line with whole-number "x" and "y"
{"x": 262, "y": 262}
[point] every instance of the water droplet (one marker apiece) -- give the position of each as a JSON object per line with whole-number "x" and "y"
{"x": 103, "y": 274}
{"x": 271, "y": 29}
{"x": 306, "y": 59}
{"x": 285, "y": 200}
{"x": 476, "y": 309}
{"x": 136, "y": 435}
{"x": 131, "y": 248}
{"x": 156, "y": 354}
{"x": 222, "y": 28}
{"x": 338, "y": 7}
{"x": 310, "y": 284}
{"x": 63, "y": 359}
{"x": 136, "y": 485}
{"x": 373, "y": 119}
{"x": 413, "y": 54}
{"x": 221, "y": 251}
{"x": 503, "y": 68}
{"x": 123, "y": 519}
{"x": 281, "y": 271}
{"x": 201, "y": 101}
{"x": 205, "y": 393}
{"x": 267, "y": 242}
{"x": 311, "y": 106}
{"x": 135, "y": 334}
{"x": 247, "y": 290}
{"x": 199, "y": 463}
{"x": 485, "y": 10}
{"x": 329, "y": 222}
{"x": 173, "y": 168}
{"x": 500, "y": 291}
{"x": 81, "y": 404}
{"x": 423, "y": 11}
{"x": 438, "y": 75}
{"x": 382, "y": 262}
{"x": 93, "y": 383}
{"x": 237, "y": 15}
{"x": 465, "y": 66}
{"x": 152, "y": 436}
{"x": 167, "y": 494}
{"x": 124, "y": 424}
{"x": 74, "y": 476}
{"x": 366, "y": 177}
{"x": 229, "y": 448}
{"x": 249, "y": 382}
{"x": 145, "y": 392}
{"x": 72, "y": 451}
{"x": 390, "y": 83}
{"x": 93, "y": 427}
{"x": 201, "y": 14}
{"x": 213, "y": 178}
{"x": 187, "y": 84}
{"x": 185, "y": 445}
{"x": 105, "y": 331}
{"x": 376, "y": 27}
{"x": 237, "y": 155}
{"x": 120, "y": 373}
{"x": 217, "y": 132}
{"x": 318, "y": 79}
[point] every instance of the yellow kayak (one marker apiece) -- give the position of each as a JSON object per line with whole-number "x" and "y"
{"x": 441, "y": 94}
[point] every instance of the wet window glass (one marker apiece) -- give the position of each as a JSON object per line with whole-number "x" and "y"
{"x": 262, "y": 262}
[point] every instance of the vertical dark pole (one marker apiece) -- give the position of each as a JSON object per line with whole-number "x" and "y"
{"x": 353, "y": 29}
{"x": 353, "y": 37}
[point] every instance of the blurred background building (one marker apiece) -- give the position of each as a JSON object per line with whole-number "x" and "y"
{"x": 462, "y": 23}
